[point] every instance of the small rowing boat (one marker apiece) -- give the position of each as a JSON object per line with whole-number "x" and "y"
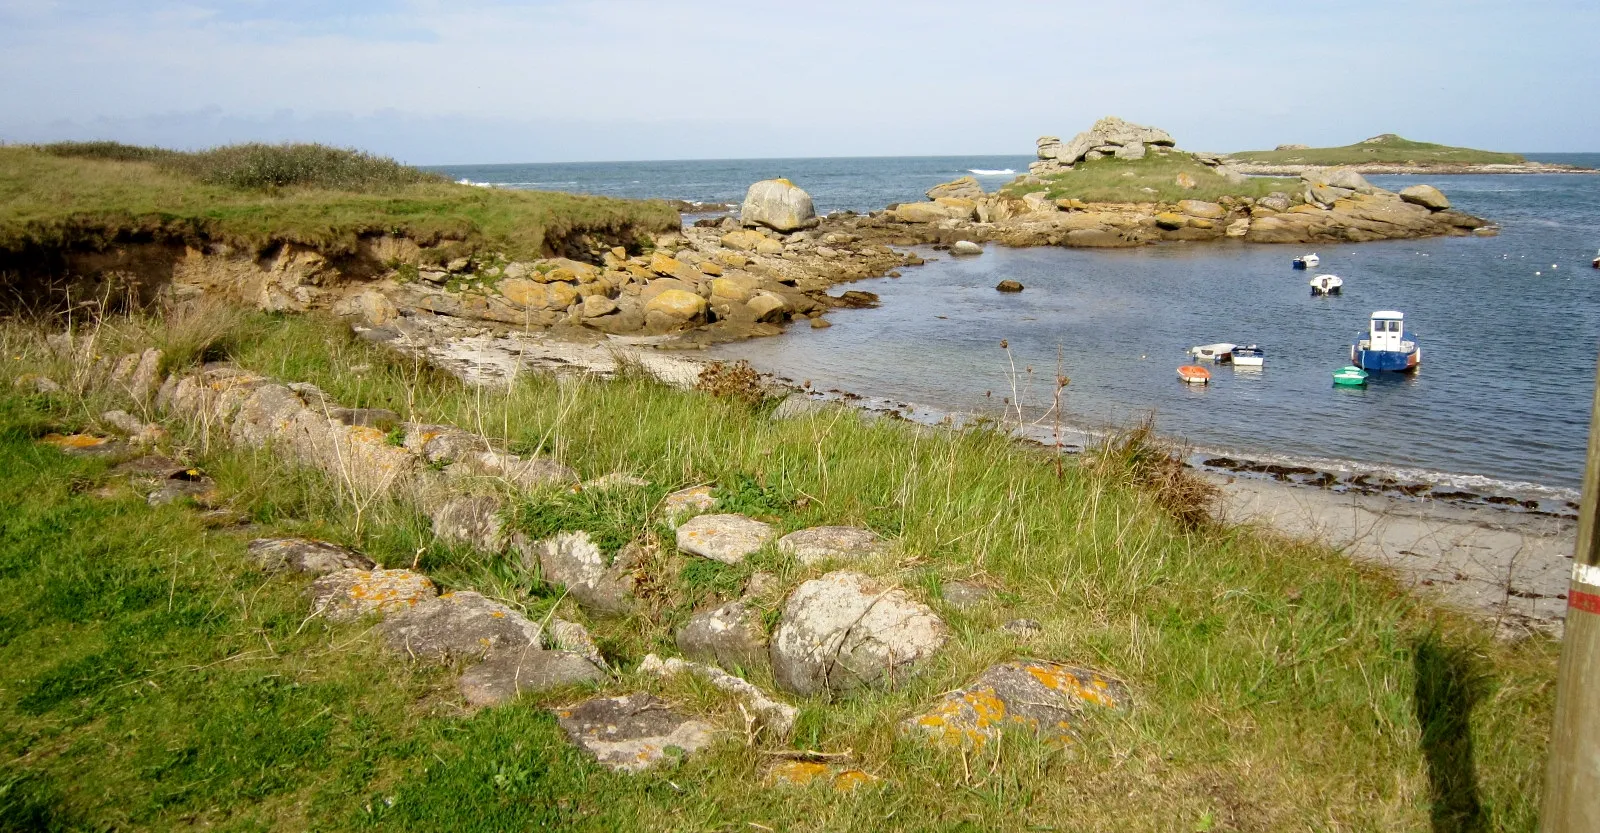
{"x": 1350, "y": 375}
{"x": 1194, "y": 374}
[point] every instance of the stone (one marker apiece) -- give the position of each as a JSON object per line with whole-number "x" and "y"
{"x": 728, "y": 539}
{"x": 34, "y": 383}
{"x": 595, "y": 306}
{"x": 768, "y": 306}
{"x": 525, "y": 293}
{"x": 201, "y": 491}
{"x": 964, "y": 595}
{"x": 797, "y": 405}
{"x": 678, "y": 305}
{"x": 511, "y": 469}
{"x": 693, "y": 500}
{"x": 1008, "y": 286}
{"x": 634, "y": 732}
{"x": 1426, "y": 196}
{"x": 777, "y": 204}
{"x": 1049, "y": 146}
{"x": 507, "y": 675}
{"x": 348, "y": 595}
{"x": 1276, "y": 201}
{"x": 710, "y": 267}
{"x": 442, "y": 443}
{"x": 614, "y": 480}
{"x": 1131, "y": 151}
{"x": 1093, "y": 238}
{"x": 931, "y": 212}
{"x": 1202, "y": 209}
{"x": 737, "y": 289}
{"x": 775, "y": 717}
{"x": 1185, "y": 180}
{"x": 83, "y": 445}
{"x": 808, "y": 773}
{"x": 1047, "y": 699}
{"x": 743, "y": 240}
{"x": 381, "y": 418}
{"x": 303, "y": 555}
{"x": 574, "y": 561}
{"x": 1348, "y": 178}
{"x": 966, "y": 247}
{"x": 563, "y": 635}
{"x": 729, "y": 635}
{"x": 844, "y": 630}
{"x": 1238, "y": 228}
{"x": 1171, "y": 220}
{"x": 146, "y": 376}
{"x": 456, "y": 626}
{"x": 1023, "y": 627}
{"x": 966, "y": 187}
{"x": 837, "y": 543}
{"x": 473, "y": 520}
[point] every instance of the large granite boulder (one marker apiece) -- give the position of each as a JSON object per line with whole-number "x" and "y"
{"x": 350, "y": 594}
{"x": 966, "y": 188}
{"x": 844, "y": 630}
{"x": 778, "y": 204}
{"x": 1426, "y": 196}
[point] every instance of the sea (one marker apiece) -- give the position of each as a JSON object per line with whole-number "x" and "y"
{"x": 1509, "y": 325}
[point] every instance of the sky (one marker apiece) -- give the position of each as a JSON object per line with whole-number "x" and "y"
{"x": 484, "y": 81}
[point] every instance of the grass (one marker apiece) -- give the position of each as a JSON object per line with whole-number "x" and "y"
{"x": 153, "y": 680}
{"x": 1151, "y": 179}
{"x": 1386, "y": 149}
{"x": 253, "y": 197}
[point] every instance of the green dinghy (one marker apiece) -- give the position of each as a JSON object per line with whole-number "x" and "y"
{"x": 1350, "y": 375}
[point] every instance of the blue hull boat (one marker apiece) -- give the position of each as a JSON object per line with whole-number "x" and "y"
{"x": 1387, "y": 345}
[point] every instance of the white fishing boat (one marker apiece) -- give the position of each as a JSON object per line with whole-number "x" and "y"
{"x": 1219, "y": 353}
{"x": 1596, "y": 262}
{"x": 1326, "y": 285}
{"x": 1249, "y": 356}
{"x": 1309, "y": 261}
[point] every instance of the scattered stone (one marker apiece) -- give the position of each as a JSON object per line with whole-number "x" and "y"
{"x": 459, "y": 625}
{"x": 614, "y": 480}
{"x": 442, "y": 443}
{"x": 807, "y": 773}
{"x": 471, "y": 520}
{"x": 1426, "y": 196}
{"x": 506, "y": 675}
{"x": 572, "y": 559}
{"x": 83, "y": 445}
{"x": 843, "y": 630}
{"x": 964, "y": 595}
{"x": 535, "y": 473}
{"x": 692, "y": 500}
{"x": 725, "y": 538}
{"x": 199, "y": 489}
{"x": 779, "y": 205}
{"x": 153, "y": 466}
{"x": 965, "y": 247}
{"x": 840, "y": 543}
{"x": 634, "y": 732}
{"x": 760, "y": 582}
{"x": 303, "y": 555}
{"x": 1008, "y": 286}
{"x": 1171, "y": 220}
{"x": 730, "y": 635}
{"x": 1023, "y": 627}
{"x": 351, "y": 594}
{"x": 382, "y": 419}
{"x": 775, "y": 717}
{"x": 42, "y": 385}
{"x": 1045, "y": 698}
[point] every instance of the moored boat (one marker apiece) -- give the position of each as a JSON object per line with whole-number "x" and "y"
{"x": 1220, "y": 352}
{"x": 1194, "y": 374}
{"x": 1249, "y": 356}
{"x": 1350, "y": 375}
{"x": 1326, "y": 285}
{"x": 1387, "y": 345}
{"x": 1596, "y": 262}
{"x": 1308, "y": 261}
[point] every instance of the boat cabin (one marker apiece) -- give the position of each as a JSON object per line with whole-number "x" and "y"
{"x": 1386, "y": 332}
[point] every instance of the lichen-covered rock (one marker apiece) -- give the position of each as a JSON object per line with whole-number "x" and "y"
{"x": 459, "y": 625}
{"x": 839, "y": 543}
{"x": 964, "y": 595}
{"x": 725, "y": 538}
{"x": 1426, "y": 196}
{"x": 775, "y": 717}
{"x": 84, "y": 445}
{"x": 442, "y": 443}
{"x": 303, "y": 555}
{"x": 808, "y": 773}
{"x": 511, "y": 469}
{"x": 563, "y": 635}
{"x": 506, "y": 675}
{"x": 966, "y": 187}
{"x": 730, "y": 635}
{"x": 1045, "y": 698}
{"x": 634, "y": 732}
{"x": 473, "y": 520}
{"x": 351, "y": 594}
{"x": 777, "y": 204}
{"x": 844, "y": 630}
{"x": 573, "y": 560}
{"x": 692, "y": 500}
{"x": 1202, "y": 209}
{"x": 1171, "y": 220}
{"x": 677, "y": 307}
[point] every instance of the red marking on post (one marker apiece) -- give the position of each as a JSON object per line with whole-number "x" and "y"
{"x": 1586, "y": 602}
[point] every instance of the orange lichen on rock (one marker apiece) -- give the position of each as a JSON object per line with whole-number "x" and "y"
{"x": 74, "y": 441}
{"x": 806, "y": 773}
{"x": 1068, "y": 681}
{"x": 1042, "y": 697}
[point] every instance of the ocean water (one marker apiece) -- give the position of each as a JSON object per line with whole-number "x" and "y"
{"x": 1509, "y": 325}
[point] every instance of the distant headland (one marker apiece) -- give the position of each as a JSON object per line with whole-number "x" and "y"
{"x": 1388, "y": 153}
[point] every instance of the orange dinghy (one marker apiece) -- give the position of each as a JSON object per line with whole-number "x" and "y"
{"x": 1194, "y": 374}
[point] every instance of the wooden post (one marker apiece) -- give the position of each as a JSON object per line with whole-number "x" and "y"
{"x": 1572, "y": 775}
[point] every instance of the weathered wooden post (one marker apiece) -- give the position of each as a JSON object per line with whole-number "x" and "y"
{"x": 1572, "y": 776}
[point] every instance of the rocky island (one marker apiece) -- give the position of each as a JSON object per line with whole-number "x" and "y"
{"x": 1390, "y": 154}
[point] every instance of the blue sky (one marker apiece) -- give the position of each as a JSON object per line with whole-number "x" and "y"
{"x": 431, "y": 81}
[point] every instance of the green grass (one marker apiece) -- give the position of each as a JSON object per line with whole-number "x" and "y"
{"x": 1386, "y": 149}
{"x": 253, "y": 197}
{"x": 153, "y": 680}
{"x": 1151, "y": 179}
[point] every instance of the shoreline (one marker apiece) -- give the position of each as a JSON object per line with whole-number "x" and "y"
{"x": 1508, "y": 566}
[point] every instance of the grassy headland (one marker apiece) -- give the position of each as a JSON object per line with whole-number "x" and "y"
{"x": 153, "y": 679}
{"x": 1387, "y": 149}
{"x": 251, "y": 197}
{"x": 1151, "y": 179}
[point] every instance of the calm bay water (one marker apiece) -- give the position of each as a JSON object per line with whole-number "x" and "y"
{"x": 1509, "y": 325}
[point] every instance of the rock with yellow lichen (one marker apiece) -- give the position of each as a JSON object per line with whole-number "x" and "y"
{"x": 634, "y": 732}
{"x": 808, "y": 773}
{"x": 1047, "y": 699}
{"x": 459, "y": 625}
{"x": 725, "y": 538}
{"x": 351, "y": 594}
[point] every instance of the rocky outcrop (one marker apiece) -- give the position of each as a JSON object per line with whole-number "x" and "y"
{"x": 1426, "y": 196}
{"x": 1110, "y": 136}
{"x": 779, "y": 205}
{"x": 966, "y": 187}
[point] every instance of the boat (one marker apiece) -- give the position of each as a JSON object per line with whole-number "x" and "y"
{"x": 1194, "y": 374}
{"x": 1326, "y": 285}
{"x": 1596, "y": 262}
{"x": 1387, "y": 345}
{"x": 1307, "y": 261}
{"x": 1350, "y": 375}
{"x": 1249, "y": 356}
{"x": 1218, "y": 353}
